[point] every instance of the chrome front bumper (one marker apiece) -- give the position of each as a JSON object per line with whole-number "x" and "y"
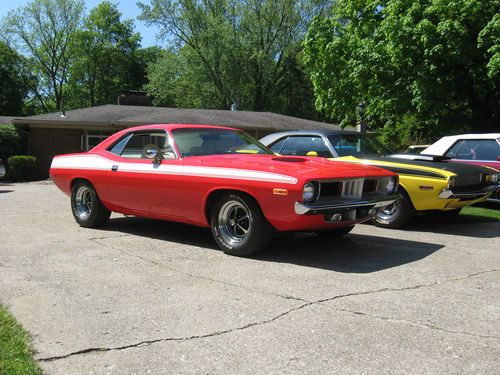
{"x": 375, "y": 202}
{"x": 449, "y": 194}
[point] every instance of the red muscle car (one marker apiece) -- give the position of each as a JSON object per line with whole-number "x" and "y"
{"x": 221, "y": 178}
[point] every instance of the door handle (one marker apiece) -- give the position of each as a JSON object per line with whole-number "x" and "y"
{"x": 114, "y": 168}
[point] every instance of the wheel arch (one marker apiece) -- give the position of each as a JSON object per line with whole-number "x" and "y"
{"x": 78, "y": 179}
{"x": 402, "y": 189}
{"x": 215, "y": 194}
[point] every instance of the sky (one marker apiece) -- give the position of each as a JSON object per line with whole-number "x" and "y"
{"x": 128, "y": 8}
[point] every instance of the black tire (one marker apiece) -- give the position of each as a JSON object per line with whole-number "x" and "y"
{"x": 238, "y": 225}
{"x": 87, "y": 208}
{"x": 335, "y": 232}
{"x": 397, "y": 215}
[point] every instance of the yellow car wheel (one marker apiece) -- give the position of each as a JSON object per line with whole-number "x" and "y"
{"x": 396, "y": 215}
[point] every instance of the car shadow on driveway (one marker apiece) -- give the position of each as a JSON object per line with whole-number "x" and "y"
{"x": 353, "y": 253}
{"x": 460, "y": 225}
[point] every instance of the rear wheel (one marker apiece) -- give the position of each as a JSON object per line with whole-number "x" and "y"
{"x": 238, "y": 225}
{"x": 87, "y": 208}
{"x": 396, "y": 215}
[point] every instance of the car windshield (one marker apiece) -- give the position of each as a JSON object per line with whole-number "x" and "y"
{"x": 211, "y": 141}
{"x": 357, "y": 144}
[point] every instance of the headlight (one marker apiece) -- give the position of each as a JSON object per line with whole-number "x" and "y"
{"x": 391, "y": 185}
{"x": 309, "y": 192}
{"x": 451, "y": 182}
{"x": 494, "y": 178}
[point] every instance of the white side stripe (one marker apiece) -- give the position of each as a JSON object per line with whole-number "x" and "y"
{"x": 99, "y": 163}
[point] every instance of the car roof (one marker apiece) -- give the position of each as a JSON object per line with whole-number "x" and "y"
{"x": 178, "y": 126}
{"x": 268, "y": 139}
{"x": 442, "y": 145}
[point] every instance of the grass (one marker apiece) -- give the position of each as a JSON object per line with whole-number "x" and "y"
{"x": 483, "y": 212}
{"x": 16, "y": 352}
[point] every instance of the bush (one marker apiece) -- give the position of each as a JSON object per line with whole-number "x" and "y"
{"x": 12, "y": 142}
{"x": 21, "y": 167}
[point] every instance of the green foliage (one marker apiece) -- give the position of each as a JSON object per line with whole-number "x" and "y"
{"x": 12, "y": 141}
{"x": 429, "y": 65}
{"x": 21, "y": 167}
{"x": 16, "y": 354}
{"x": 108, "y": 61}
{"x": 232, "y": 51}
{"x": 12, "y": 87}
{"x": 44, "y": 29}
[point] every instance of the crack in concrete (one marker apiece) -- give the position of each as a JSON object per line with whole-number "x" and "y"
{"x": 162, "y": 265}
{"x": 417, "y": 323}
{"x": 279, "y": 316}
{"x": 434, "y": 283}
{"x": 193, "y": 337}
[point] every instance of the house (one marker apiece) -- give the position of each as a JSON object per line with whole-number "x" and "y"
{"x": 81, "y": 129}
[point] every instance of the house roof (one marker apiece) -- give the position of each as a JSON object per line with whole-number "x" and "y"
{"x": 6, "y": 120}
{"x": 122, "y": 116}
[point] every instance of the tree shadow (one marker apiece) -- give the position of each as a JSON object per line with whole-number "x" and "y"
{"x": 460, "y": 225}
{"x": 353, "y": 253}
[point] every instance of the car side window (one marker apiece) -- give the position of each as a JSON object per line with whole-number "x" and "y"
{"x": 453, "y": 151}
{"x": 276, "y": 147}
{"x": 475, "y": 149}
{"x": 133, "y": 146}
{"x": 300, "y": 146}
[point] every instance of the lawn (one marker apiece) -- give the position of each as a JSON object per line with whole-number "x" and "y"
{"x": 484, "y": 212}
{"x": 16, "y": 353}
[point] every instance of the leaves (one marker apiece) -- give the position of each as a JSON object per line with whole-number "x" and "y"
{"x": 430, "y": 65}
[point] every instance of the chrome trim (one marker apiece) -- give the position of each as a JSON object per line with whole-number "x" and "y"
{"x": 376, "y": 202}
{"x": 449, "y": 194}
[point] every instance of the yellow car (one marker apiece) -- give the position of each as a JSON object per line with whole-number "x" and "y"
{"x": 427, "y": 184}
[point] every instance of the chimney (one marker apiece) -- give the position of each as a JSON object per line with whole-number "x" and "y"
{"x": 134, "y": 97}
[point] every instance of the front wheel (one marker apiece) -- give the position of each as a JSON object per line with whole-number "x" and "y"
{"x": 238, "y": 225}
{"x": 87, "y": 208}
{"x": 396, "y": 215}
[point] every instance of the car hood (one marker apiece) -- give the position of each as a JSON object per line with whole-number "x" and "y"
{"x": 305, "y": 168}
{"x": 439, "y": 167}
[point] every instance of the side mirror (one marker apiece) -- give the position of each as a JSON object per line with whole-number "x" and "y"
{"x": 153, "y": 153}
{"x": 312, "y": 153}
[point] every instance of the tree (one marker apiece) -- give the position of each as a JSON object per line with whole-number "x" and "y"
{"x": 107, "y": 54}
{"x": 44, "y": 29}
{"x": 13, "y": 89}
{"x": 423, "y": 64}
{"x": 234, "y": 50}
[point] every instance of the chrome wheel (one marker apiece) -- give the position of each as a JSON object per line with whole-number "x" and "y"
{"x": 83, "y": 203}
{"x": 234, "y": 222}
{"x": 388, "y": 213}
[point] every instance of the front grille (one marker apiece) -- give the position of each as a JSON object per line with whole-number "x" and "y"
{"x": 355, "y": 189}
{"x": 370, "y": 186}
{"x": 468, "y": 180}
{"x": 352, "y": 188}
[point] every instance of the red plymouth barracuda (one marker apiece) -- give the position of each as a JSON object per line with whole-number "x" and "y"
{"x": 221, "y": 178}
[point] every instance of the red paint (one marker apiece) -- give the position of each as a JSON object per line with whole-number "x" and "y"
{"x": 183, "y": 198}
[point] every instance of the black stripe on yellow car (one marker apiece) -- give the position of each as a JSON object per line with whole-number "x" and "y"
{"x": 409, "y": 171}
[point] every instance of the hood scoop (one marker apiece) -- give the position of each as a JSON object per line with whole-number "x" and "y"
{"x": 418, "y": 157}
{"x": 290, "y": 159}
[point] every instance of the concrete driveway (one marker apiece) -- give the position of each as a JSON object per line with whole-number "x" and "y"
{"x": 149, "y": 297}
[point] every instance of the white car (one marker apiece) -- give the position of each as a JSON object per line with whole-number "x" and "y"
{"x": 483, "y": 149}
{"x": 2, "y": 169}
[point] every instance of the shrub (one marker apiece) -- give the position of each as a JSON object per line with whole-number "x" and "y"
{"x": 12, "y": 142}
{"x": 21, "y": 167}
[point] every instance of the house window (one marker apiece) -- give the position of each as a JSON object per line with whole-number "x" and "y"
{"x": 90, "y": 139}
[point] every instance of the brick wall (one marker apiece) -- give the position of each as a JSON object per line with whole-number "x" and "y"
{"x": 45, "y": 143}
